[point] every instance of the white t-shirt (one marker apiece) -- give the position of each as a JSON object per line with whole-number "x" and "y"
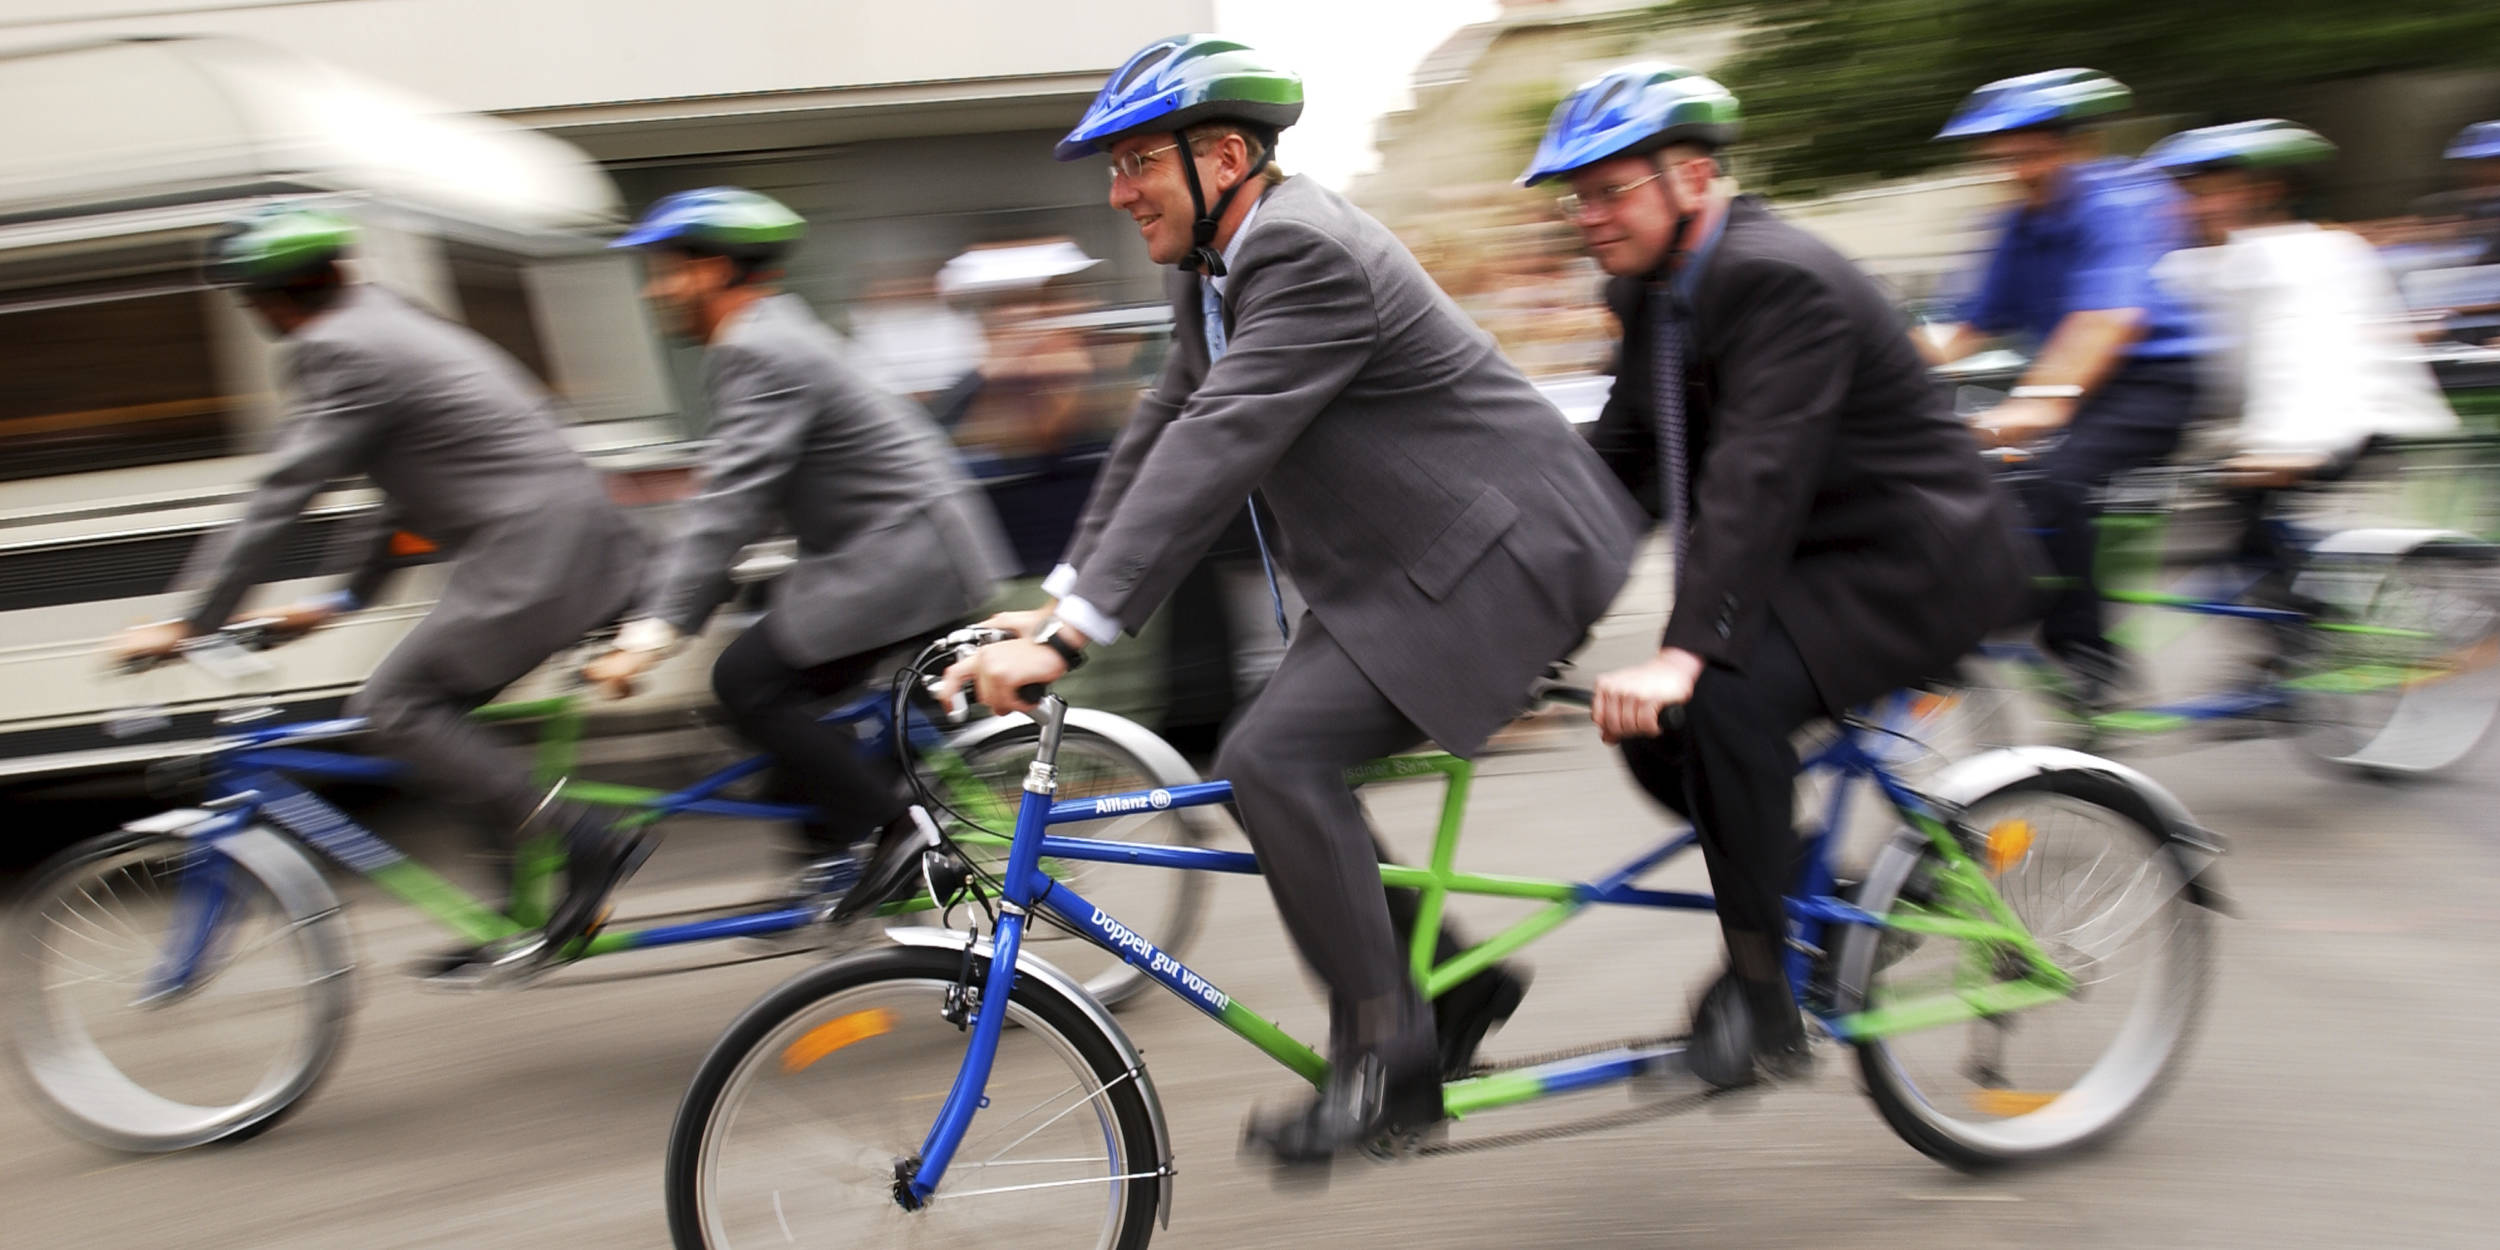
{"x": 2312, "y": 339}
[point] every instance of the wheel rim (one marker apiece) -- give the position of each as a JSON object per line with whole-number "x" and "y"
{"x": 241, "y": 1043}
{"x": 1161, "y": 903}
{"x": 801, "y": 1147}
{"x": 2110, "y": 905}
{"x": 2429, "y": 700}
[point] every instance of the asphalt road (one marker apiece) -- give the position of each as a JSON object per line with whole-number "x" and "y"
{"x": 2338, "y": 1097}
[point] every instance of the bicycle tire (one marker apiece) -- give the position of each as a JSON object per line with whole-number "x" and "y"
{"x": 2423, "y": 727}
{"x": 1046, "y": 1018}
{"x": 2120, "y": 1083}
{"x": 82, "y": 1081}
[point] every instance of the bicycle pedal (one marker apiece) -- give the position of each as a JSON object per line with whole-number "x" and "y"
{"x": 500, "y": 964}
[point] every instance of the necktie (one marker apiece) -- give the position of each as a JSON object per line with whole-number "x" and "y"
{"x": 1212, "y": 306}
{"x": 1667, "y": 397}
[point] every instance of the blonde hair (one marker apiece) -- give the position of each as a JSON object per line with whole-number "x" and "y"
{"x": 1214, "y": 131}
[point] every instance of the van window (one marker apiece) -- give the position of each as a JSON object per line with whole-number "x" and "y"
{"x": 110, "y": 379}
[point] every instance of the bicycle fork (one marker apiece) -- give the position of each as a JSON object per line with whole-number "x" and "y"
{"x": 916, "y": 1178}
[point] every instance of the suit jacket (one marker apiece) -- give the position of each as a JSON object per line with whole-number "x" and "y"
{"x": 464, "y": 446}
{"x": 1831, "y": 486}
{"x": 1441, "y": 519}
{"x": 894, "y": 540}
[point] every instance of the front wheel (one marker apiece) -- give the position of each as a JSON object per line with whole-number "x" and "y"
{"x": 821, "y": 1095}
{"x": 2081, "y": 861}
{"x": 169, "y": 994}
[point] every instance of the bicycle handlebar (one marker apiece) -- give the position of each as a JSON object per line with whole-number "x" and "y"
{"x": 205, "y": 650}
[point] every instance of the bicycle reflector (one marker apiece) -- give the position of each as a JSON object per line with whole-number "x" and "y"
{"x": 2008, "y": 842}
{"x": 835, "y": 1034}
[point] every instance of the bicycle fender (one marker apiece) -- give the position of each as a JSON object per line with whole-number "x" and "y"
{"x": 2197, "y": 847}
{"x": 1039, "y": 972}
{"x": 1149, "y": 747}
{"x": 2396, "y": 541}
{"x": 292, "y": 877}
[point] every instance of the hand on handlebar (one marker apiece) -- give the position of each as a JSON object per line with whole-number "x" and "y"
{"x": 1008, "y": 675}
{"x": 2019, "y": 421}
{"x": 142, "y": 645}
{"x": 1023, "y": 623}
{"x": 1633, "y": 702}
{"x": 615, "y": 671}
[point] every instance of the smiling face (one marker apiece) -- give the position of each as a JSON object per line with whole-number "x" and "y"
{"x": 1156, "y": 197}
{"x": 1628, "y": 205}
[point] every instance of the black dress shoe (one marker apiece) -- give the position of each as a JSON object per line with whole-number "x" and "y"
{"x": 1470, "y": 1012}
{"x": 1362, "y": 1101}
{"x": 1737, "y": 1040}
{"x": 597, "y": 859}
{"x": 892, "y": 867}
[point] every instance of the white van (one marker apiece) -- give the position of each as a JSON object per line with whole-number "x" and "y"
{"x": 133, "y": 401}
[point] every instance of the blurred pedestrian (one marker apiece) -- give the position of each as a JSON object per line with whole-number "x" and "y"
{"x": 1836, "y": 535}
{"x": 1452, "y": 536}
{"x": 894, "y": 543}
{"x": 2112, "y": 378}
{"x": 2476, "y": 153}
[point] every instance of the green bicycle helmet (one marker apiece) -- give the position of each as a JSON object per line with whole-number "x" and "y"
{"x": 2268, "y": 142}
{"x": 276, "y": 246}
{"x": 743, "y": 225}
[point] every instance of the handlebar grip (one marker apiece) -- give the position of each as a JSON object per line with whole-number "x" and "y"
{"x": 1033, "y": 693}
{"x": 1671, "y": 718}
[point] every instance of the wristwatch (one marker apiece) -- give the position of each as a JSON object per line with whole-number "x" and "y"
{"x": 1069, "y": 653}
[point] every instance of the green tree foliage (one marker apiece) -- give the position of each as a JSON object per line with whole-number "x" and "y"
{"x": 1841, "y": 90}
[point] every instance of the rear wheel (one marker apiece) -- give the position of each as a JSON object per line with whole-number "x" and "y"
{"x": 806, "y": 1111}
{"x": 2078, "y": 858}
{"x": 130, "y": 1054}
{"x": 2412, "y": 685}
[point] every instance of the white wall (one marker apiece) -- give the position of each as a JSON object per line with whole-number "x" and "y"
{"x": 494, "y": 55}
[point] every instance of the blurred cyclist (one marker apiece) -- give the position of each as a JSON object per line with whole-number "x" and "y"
{"x": 1835, "y": 531}
{"x": 1451, "y": 536}
{"x": 2312, "y": 342}
{"x": 894, "y": 542}
{"x": 2476, "y": 149}
{"x": 2113, "y": 375}
{"x": 466, "y": 450}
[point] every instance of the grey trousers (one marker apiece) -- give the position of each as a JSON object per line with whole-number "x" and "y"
{"x": 1287, "y": 757}
{"x": 515, "y": 597}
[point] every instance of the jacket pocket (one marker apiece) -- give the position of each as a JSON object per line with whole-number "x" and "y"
{"x": 1462, "y": 543}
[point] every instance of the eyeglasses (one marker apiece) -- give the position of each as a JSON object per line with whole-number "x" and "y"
{"x": 1132, "y": 165}
{"x": 1572, "y": 205}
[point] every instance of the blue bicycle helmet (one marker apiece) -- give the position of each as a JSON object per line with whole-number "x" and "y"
{"x": 1635, "y": 109}
{"x": 1175, "y": 83}
{"x": 2478, "y": 142}
{"x": 2269, "y": 141}
{"x": 2054, "y": 97}
{"x": 743, "y": 225}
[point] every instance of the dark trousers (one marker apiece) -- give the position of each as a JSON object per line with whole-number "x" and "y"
{"x": 1730, "y": 770}
{"x": 1287, "y": 757}
{"x": 2131, "y": 420}
{"x": 773, "y": 705}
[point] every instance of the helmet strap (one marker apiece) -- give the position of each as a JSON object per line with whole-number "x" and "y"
{"x": 1679, "y": 236}
{"x": 1203, "y": 257}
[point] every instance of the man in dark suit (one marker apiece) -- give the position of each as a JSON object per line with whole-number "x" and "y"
{"x": 1835, "y": 531}
{"x": 1450, "y": 535}
{"x": 468, "y": 453}
{"x": 894, "y": 540}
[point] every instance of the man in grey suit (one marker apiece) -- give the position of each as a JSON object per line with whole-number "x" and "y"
{"x": 895, "y": 541}
{"x": 467, "y": 452}
{"x": 1450, "y": 533}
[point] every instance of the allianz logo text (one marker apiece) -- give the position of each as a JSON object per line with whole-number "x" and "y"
{"x": 1123, "y": 938}
{"x": 1115, "y": 804}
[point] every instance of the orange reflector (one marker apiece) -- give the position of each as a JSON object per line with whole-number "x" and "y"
{"x": 404, "y": 543}
{"x": 1930, "y": 704}
{"x": 2008, "y": 842}
{"x": 833, "y": 1035}
{"x": 2009, "y": 1102}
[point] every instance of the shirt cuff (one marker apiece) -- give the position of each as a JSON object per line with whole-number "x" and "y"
{"x": 650, "y": 634}
{"x": 1099, "y": 630}
{"x": 1059, "y": 583}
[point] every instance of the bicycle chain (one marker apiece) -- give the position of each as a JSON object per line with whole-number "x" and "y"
{"x": 1577, "y": 1052}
